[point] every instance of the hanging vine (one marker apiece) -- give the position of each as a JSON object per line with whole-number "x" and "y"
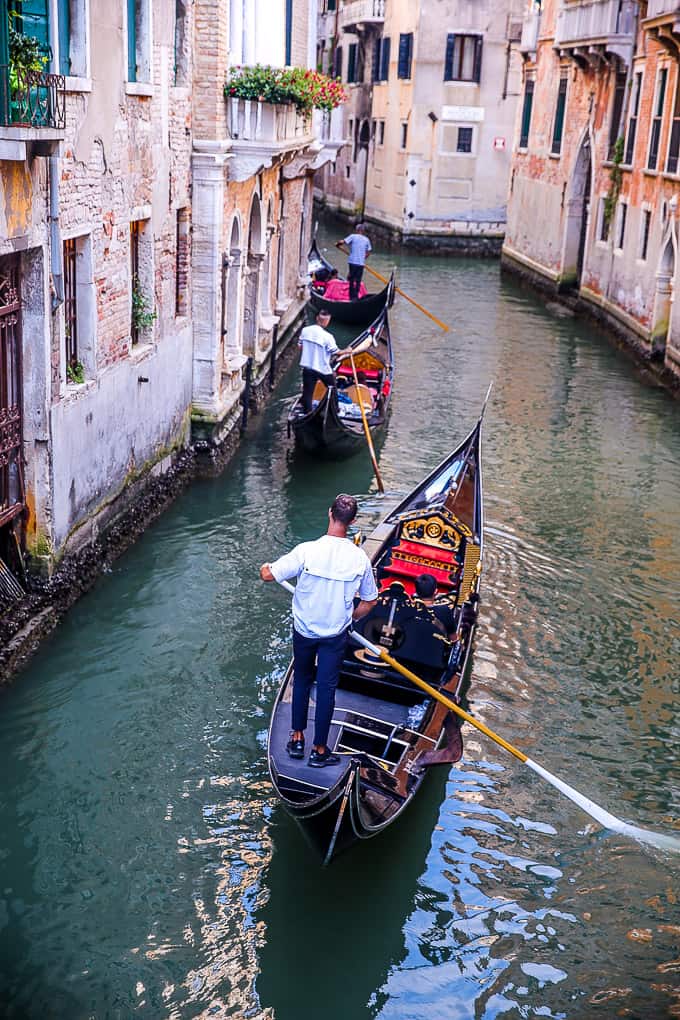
{"x": 615, "y": 182}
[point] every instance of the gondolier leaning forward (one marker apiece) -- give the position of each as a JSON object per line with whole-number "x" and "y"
{"x": 359, "y": 248}
{"x": 330, "y": 572}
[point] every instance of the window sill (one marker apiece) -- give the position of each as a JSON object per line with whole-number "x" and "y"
{"x": 73, "y": 391}
{"x": 602, "y": 245}
{"x": 74, "y": 83}
{"x": 522, "y": 149}
{"x": 554, "y": 155}
{"x": 671, "y": 177}
{"x": 140, "y": 351}
{"x": 455, "y": 81}
{"x": 650, "y": 173}
{"x": 138, "y": 88}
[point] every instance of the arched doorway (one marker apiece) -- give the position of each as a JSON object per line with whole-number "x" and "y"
{"x": 577, "y": 218}
{"x": 267, "y": 273}
{"x": 304, "y": 225}
{"x": 663, "y": 300}
{"x": 253, "y": 274}
{"x": 232, "y": 317}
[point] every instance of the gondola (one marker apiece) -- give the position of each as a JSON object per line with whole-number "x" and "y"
{"x": 387, "y": 731}
{"x": 334, "y": 426}
{"x": 354, "y": 313}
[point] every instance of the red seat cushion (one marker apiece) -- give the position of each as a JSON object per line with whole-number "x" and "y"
{"x": 429, "y": 551}
{"x": 369, "y": 373}
{"x": 402, "y": 569}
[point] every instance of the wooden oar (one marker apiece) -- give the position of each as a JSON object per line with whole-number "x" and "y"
{"x": 369, "y": 439}
{"x": 609, "y": 821}
{"x": 379, "y": 276}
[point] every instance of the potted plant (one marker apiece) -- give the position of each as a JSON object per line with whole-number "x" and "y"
{"x": 142, "y": 315}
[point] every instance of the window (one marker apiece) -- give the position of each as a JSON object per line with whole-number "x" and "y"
{"x": 404, "y": 134}
{"x": 405, "y": 55}
{"x": 526, "y": 113}
{"x": 464, "y": 140}
{"x": 674, "y": 143}
{"x": 182, "y": 263}
{"x": 381, "y": 132}
{"x": 142, "y": 313}
{"x": 181, "y": 43}
{"x": 655, "y": 133}
{"x": 558, "y": 126}
{"x": 617, "y": 110}
{"x": 139, "y": 40}
{"x": 463, "y": 58}
{"x": 644, "y": 233}
{"x": 603, "y": 229}
{"x": 381, "y": 59}
{"x": 337, "y": 62}
{"x": 352, "y": 62}
{"x": 71, "y": 309}
{"x": 621, "y": 224}
{"x": 633, "y": 117}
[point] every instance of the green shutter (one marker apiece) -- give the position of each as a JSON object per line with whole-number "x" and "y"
{"x": 132, "y": 39}
{"x": 64, "y": 21}
{"x": 34, "y": 20}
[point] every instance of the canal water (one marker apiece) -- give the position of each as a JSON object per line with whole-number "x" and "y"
{"x": 145, "y": 868}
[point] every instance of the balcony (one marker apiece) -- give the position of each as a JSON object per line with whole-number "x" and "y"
{"x": 663, "y": 23}
{"x": 529, "y": 40}
{"x": 596, "y": 31}
{"x": 360, "y": 15}
{"x": 32, "y": 110}
{"x": 260, "y": 133}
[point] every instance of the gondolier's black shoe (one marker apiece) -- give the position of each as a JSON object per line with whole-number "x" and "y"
{"x": 296, "y": 748}
{"x": 318, "y": 761}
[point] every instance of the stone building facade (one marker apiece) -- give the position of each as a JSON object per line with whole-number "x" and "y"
{"x": 433, "y": 88}
{"x": 594, "y": 182}
{"x": 151, "y": 241}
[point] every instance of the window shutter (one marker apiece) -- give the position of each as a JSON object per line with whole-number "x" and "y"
{"x": 375, "y": 70}
{"x": 385, "y": 59}
{"x": 337, "y": 62}
{"x": 448, "y": 61}
{"x": 478, "y": 59}
{"x": 405, "y": 51}
{"x": 34, "y": 21}
{"x": 352, "y": 62}
{"x": 132, "y": 39}
{"x": 64, "y": 22}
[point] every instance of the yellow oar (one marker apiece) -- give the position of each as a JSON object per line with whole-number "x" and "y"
{"x": 379, "y": 276}
{"x": 609, "y": 821}
{"x": 367, "y": 430}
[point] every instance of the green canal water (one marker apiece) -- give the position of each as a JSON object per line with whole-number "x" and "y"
{"x": 145, "y": 867}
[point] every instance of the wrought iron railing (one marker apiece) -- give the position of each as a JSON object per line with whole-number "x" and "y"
{"x": 32, "y": 99}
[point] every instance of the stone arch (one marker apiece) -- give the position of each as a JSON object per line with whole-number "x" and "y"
{"x": 577, "y": 216}
{"x": 231, "y": 322}
{"x": 267, "y": 274}
{"x": 663, "y": 298}
{"x": 363, "y": 137}
{"x": 253, "y": 276}
{"x": 305, "y": 222}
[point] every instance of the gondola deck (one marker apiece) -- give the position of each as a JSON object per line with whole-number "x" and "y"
{"x": 387, "y": 730}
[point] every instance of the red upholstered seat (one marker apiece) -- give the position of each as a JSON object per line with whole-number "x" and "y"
{"x": 431, "y": 552}
{"x": 401, "y": 569}
{"x": 409, "y": 586}
{"x": 371, "y": 374}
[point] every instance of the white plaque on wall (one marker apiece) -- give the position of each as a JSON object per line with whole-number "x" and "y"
{"x": 464, "y": 113}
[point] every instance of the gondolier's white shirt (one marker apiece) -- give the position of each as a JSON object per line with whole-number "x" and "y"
{"x": 330, "y": 572}
{"x": 317, "y": 347}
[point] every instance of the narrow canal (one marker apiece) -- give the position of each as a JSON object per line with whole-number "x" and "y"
{"x": 145, "y": 869}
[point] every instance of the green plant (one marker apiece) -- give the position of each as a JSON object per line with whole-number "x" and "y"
{"x": 25, "y": 54}
{"x": 75, "y": 372}
{"x": 282, "y": 85}
{"x": 142, "y": 315}
{"x": 615, "y": 181}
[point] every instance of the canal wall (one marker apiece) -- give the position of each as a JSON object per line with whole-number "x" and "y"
{"x": 145, "y": 495}
{"x": 616, "y": 327}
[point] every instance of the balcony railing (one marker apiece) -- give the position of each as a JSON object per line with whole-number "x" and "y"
{"x": 265, "y": 123}
{"x": 358, "y": 12}
{"x": 659, "y": 8}
{"x": 601, "y": 26}
{"x": 530, "y": 29}
{"x": 32, "y": 99}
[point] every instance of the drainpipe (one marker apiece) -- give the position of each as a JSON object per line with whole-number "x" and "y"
{"x": 56, "y": 253}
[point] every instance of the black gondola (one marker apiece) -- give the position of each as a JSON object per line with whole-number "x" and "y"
{"x": 354, "y": 313}
{"x": 387, "y": 731}
{"x": 334, "y": 426}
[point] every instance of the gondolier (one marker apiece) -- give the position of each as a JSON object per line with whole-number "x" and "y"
{"x": 359, "y": 248}
{"x": 331, "y": 572}
{"x": 319, "y": 352}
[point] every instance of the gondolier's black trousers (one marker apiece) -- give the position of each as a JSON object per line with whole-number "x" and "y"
{"x": 309, "y": 380}
{"x": 317, "y": 659}
{"x": 354, "y": 275}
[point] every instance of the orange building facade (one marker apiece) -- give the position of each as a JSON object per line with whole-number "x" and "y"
{"x": 594, "y": 185}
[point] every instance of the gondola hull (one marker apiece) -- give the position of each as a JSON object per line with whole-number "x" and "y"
{"x": 386, "y": 732}
{"x": 351, "y": 313}
{"x": 324, "y": 434}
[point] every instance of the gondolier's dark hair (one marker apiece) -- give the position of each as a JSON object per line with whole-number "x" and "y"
{"x": 344, "y": 508}
{"x": 425, "y": 586}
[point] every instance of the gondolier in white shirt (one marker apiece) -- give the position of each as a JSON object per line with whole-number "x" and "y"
{"x": 319, "y": 352}
{"x": 358, "y": 248}
{"x": 330, "y": 573}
